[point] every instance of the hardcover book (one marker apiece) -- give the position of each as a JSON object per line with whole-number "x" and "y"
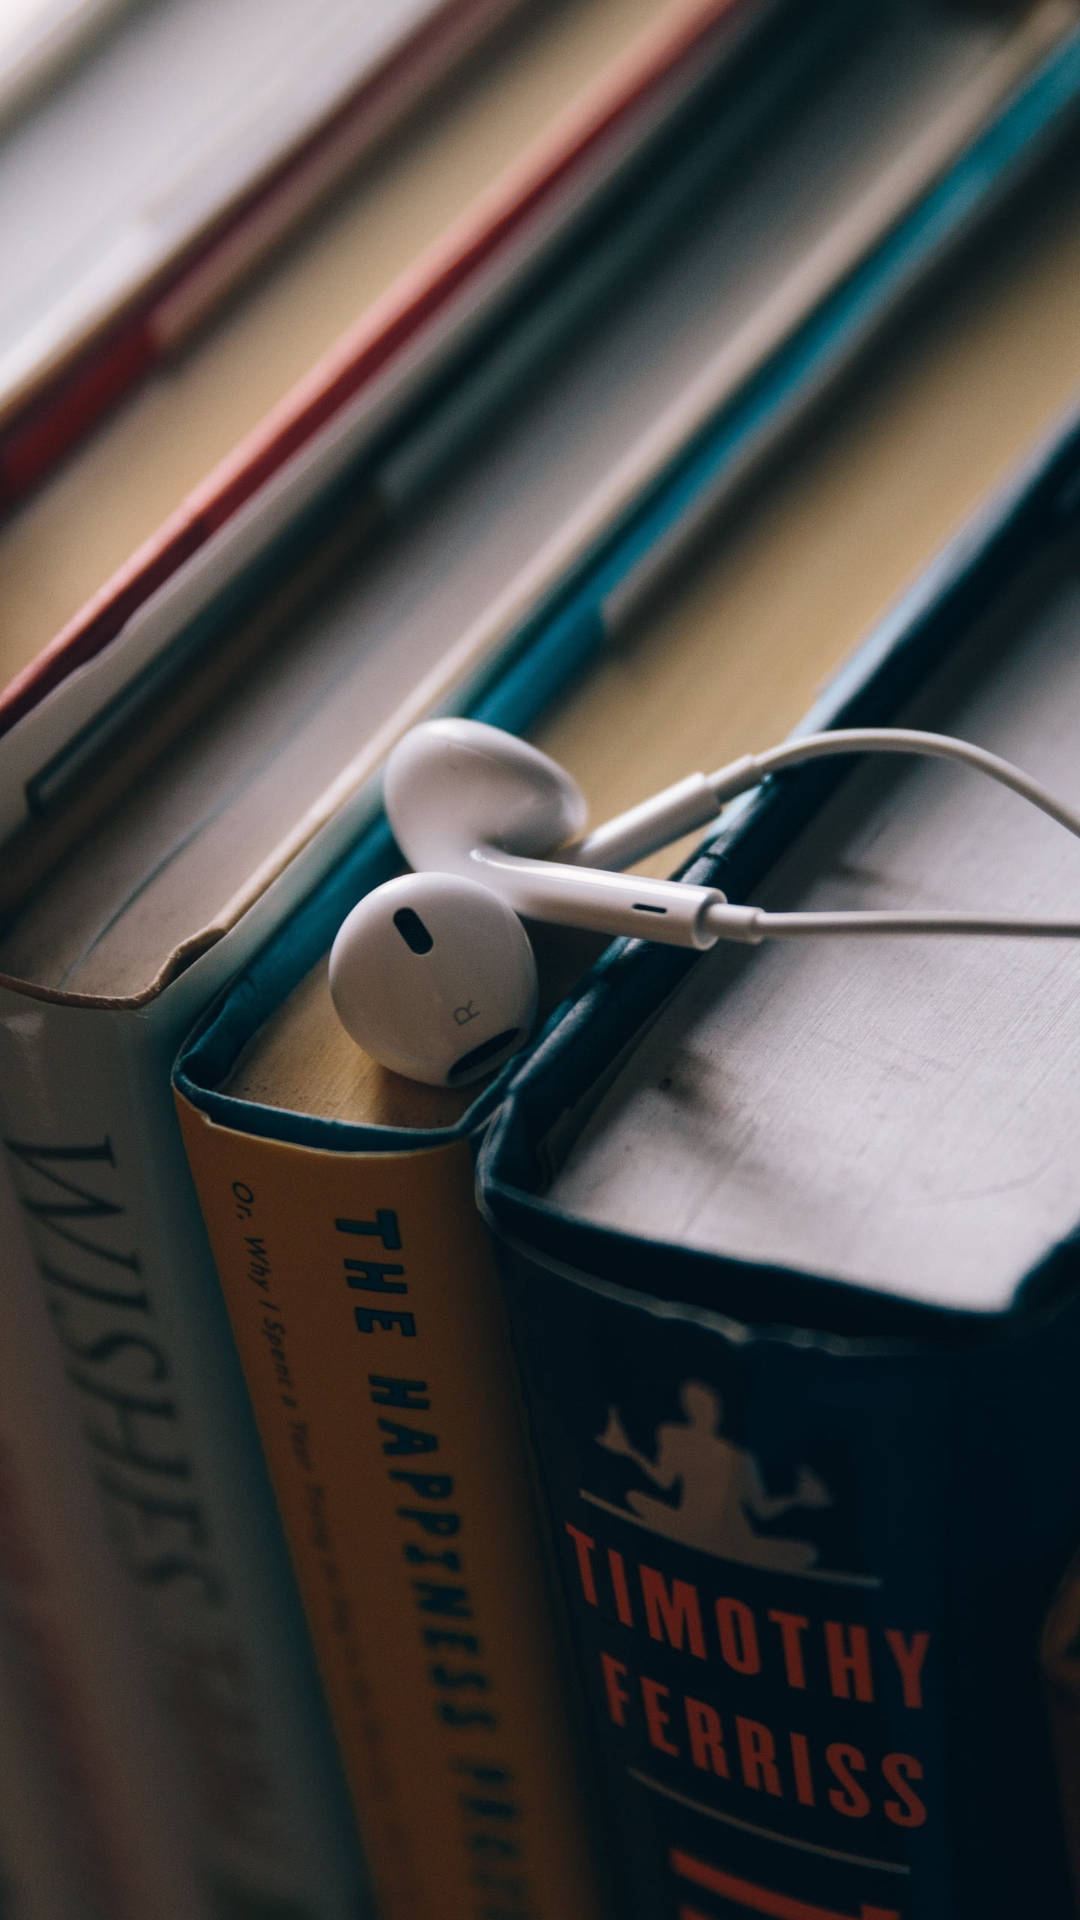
{"x": 40, "y": 1875}
{"x": 436, "y": 235}
{"x": 116, "y": 1823}
{"x": 790, "y": 1257}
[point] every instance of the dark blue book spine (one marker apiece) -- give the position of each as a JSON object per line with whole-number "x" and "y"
{"x": 807, "y": 1579}
{"x": 818, "y": 1546}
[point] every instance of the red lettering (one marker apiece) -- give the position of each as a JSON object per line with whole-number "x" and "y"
{"x": 738, "y": 1636}
{"x": 909, "y": 1659}
{"x": 745, "y": 1893}
{"x": 757, "y": 1756}
{"x": 617, "y": 1696}
{"x": 706, "y": 1738}
{"x": 671, "y": 1615}
{"x": 800, "y": 1760}
{"x": 899, "y": 1770}
{"x": 848, "y": 1653}
{"x": 656, "y": 1716}
{"x": 791, "y": 1625}
{"x": 584, "y": 1548}
{"x": 840, "y": 1760}
{"x": 618, "y": 1581}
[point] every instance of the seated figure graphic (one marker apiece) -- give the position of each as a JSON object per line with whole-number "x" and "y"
{"x": 720, "y": 1490}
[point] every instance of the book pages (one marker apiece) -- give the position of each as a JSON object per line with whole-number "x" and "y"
{"x": 901, "y": 1113}
{"x": 60, "y": 546}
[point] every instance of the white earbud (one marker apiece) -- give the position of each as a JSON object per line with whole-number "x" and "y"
{"x": 433, "y": 974}
{"x": 467, "y": 799}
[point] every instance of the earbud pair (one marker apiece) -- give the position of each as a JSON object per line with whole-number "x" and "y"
{"x": 433, "y": 973}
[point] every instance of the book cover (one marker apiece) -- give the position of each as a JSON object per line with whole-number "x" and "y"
{"x": 587, "y": 95}
{"x": 41, "y": 1874}
{"x": 930, "y": 158}
{"x": 811, "y": 1494}
{"x": 86, "y": 525}
{"x": 229, "y": 159}
{"x": 363, "y": 1299}
{"x": 117, "y": 1815}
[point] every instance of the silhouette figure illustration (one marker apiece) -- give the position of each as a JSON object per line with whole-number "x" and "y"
{"x": 720, "y": 1492}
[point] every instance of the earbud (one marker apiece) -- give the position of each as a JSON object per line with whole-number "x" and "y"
{"x": 434, "y": 976}
{"x": 455, "y": 785}
{"x": 433, "y": 973}
{"x": 467, "y": 799}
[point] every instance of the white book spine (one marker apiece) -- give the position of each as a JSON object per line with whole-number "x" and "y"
{"x": 126, "y": 1276}
{"x": 69, "y": 1635}
{"x": 40, "y": 1877}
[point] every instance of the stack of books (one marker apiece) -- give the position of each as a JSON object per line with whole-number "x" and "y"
{"x": 619, "y": 366}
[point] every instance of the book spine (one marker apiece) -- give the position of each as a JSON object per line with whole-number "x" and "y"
{"x": 39, "y": 1868}
{"x": 806, "y": 1580}
{"x": 100, "y": 1175}
{"x": 369, "y": 1322}
{"x": 71, "y": 1636}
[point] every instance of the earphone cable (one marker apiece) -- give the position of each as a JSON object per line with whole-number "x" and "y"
{"x": 749, "y": 925}
{"x": 753, "y": 768}
{"x": 755, "y": 924}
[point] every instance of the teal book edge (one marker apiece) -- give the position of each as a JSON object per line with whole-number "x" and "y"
{"x": 854, "y": 1724}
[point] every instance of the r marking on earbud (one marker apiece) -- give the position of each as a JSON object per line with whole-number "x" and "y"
{"x": 463, "y": 1015}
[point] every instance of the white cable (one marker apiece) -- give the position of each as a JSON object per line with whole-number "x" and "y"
{"x": 753, "y": 768}
{"x": 691, "y": 803}
{"x": 752, "y": 924}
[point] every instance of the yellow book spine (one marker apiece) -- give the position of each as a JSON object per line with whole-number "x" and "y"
{"x": 364, "y": 1301}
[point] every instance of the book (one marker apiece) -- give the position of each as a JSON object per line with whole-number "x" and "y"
{"x": 112, "y": 1826}
{"x": 444, "y": 224}
{"x": 271, "y": 1094}
{"x": 39, "y": 1872}
{"x": 38, "y": 38}
{"x": 790, "y": 1260}
{"x": 338, "y": 432}
{"x": 164, "y": 163}
{"x": 400, "y": 1476}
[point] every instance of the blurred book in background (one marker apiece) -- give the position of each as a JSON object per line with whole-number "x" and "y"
{"x": 166, "y": 158}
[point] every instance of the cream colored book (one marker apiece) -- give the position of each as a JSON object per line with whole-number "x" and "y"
{"x": 153, "y": 155}
{"x": 222, "y": 377}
